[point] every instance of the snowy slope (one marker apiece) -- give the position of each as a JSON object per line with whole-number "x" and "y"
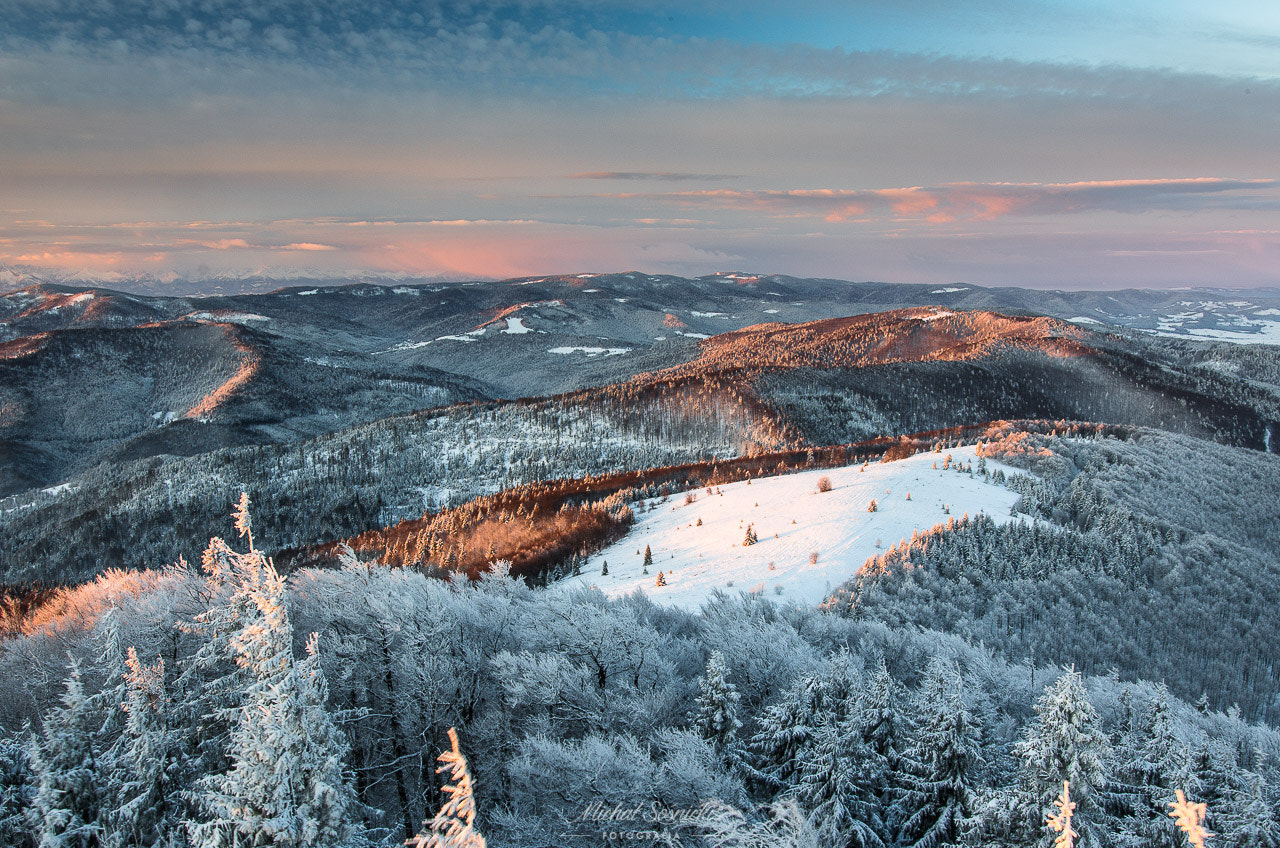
{"x": 697, "y": 560}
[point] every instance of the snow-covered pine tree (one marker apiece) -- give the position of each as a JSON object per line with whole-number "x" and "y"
{"x": 1158, "y": 763}
{"x": 16, "y": 793}
{"x": 648, "y": 560}
{"x": 147, "y": 803}
{"x": 1063, "y": 743}
{"x": 284, "y": 786}
{"x": 944, "y": 761}
{"x": 716, "y": 718}
{"x": 835, "y": 783}
{"x": 68, "y": 763}
{"x": 1246, "y": 819}
{"x": 454, "y": 824}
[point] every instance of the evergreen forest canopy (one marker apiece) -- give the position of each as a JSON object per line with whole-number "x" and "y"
{"x": 312, "y": 713}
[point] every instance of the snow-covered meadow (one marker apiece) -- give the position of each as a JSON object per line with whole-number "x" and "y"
{"x": 792, "y": 521}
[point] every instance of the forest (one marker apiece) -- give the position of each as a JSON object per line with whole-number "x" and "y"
{"x": 310, "y": 709}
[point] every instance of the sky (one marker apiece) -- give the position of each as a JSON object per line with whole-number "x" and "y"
{"x": 997, "y": 142}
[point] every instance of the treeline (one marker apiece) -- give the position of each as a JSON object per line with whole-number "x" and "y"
{"x": 746, "y": 718}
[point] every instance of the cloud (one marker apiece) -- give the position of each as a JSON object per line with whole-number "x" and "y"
{"x": 989, "y": 201}
{"x": 670, "y": 176}
{"x": 305, "y": 245}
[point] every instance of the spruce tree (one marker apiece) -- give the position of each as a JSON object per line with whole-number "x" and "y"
{"x": 1158, "y": 763}
{"x": 284, "y": 786}
{"x": 454, "y": 824}
{"x": 716, "y": 718}
{"x": 945, "y": 758}
{"x": 68, "y": 764}
{"x": 648, "y": 559}
{"x": 148, "y": 763}
{"x": 16, "y": 791}
{"x": 1063, "y": 743}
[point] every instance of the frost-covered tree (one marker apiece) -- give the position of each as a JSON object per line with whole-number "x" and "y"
{"x": 454, "y": 824}
{"x": 716, "y": 718}
{"x": 15, "y": 793}
{"x": 943, "y": 763}
{"x": 148, "y": 763}
{"x": 1155, "y": 764}
{"x": 284, "y": 785}
{"x": 836, "y": 785}
{"x": 1065, "y": 742}
{"x": 1247, "y": 820}
{"x": 67, "y": 764}
{"x": 884, "y": 727}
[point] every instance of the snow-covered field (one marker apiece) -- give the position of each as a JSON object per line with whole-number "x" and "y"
{"x": 697, "y": 560}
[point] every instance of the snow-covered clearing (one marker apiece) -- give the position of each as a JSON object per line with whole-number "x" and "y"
{"x": 1267, "y": 332}
{"x": 227, "y": 317}
{"x": 948, "y": 290}
{"x": 1084, "y": 319}
{"x": 697, "y": 560}
{"x": 591, "y": 351}
{"x": 515, "y": 327}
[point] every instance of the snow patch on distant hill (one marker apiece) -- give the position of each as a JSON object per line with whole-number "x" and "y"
{"x": 699, "y": 560}
{"x": 227, "y": 317}
{"x": 591, "y": 351}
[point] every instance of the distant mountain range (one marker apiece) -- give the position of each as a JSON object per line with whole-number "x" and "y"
{"x": 370, "y": 402}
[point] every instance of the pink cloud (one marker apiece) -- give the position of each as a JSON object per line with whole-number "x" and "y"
{"x": 983, "y": 201}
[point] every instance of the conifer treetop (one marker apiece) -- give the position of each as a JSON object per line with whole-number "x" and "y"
{"x": 454, "y": 825}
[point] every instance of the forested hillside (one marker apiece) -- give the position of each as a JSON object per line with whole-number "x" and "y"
{"x": 1152, "y": 554}
{"x": 567, "y": 703}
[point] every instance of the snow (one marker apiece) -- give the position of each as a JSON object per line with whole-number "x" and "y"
{"x": 697, "y": 561}
{"x": 1267, "y": 312}
{"x": 587, "y": 276}
{"x": 696, "y": 314}
{"x": 58, "y": 490}
{"x": 466, "y": 338}
{"x": 1084, "y": 319}
{"x": 948, "y": 290}
{"x": 591, "y": 351}
{"x": 516, "y": 327}
{"x": 941, "y": 313}
{"x": 1267, "y": 332}
{"x": 771, "y": 311}
{"x": 230, "y": 317}
{"x": 308, "y": 292}
{"x": 693, "y": 335}
{"x": 591, "y": 291}
{"x": 405, "y": 290}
